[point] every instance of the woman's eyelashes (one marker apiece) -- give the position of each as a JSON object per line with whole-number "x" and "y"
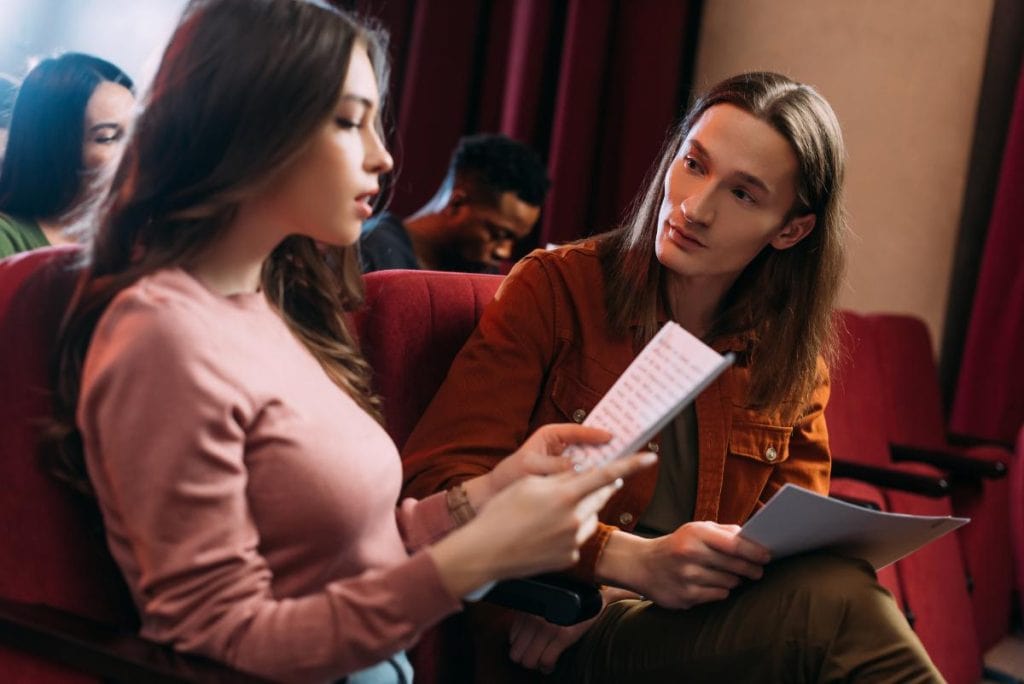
{"x": 107, "y": 134}
{"x": 352, "y": 116}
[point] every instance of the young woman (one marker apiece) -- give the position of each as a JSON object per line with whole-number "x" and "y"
{"x": 67, "y": 130}
{"x": 247, "y": 491}
{"x": 739, "y": 238}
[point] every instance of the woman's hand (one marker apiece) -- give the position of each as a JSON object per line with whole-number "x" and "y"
{"x": 536, "y": 644}
{"x": 699, "y": 562}
{"x": 535, "y": 525}
{"x": 540, "y": 454}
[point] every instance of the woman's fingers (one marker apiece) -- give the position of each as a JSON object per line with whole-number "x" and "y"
{"x": 556, "y": 437}
{"x": 579, "y": 485}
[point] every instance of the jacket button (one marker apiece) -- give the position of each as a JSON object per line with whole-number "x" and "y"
{"x": 653, "y": 447}
{"x": 626, "y": 518}
{"x": 770, "y": 454}
{"x": 578, "y": 415}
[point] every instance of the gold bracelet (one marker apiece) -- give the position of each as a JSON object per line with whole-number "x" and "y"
{"x": 458, "y": 504}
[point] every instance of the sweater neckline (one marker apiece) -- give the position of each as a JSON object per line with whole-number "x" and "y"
{"x": 250, "y": 301}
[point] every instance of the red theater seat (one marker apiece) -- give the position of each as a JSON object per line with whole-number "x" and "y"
{"x": 52, "y": 551}
{"x": 857, "y": 424}
{"x": 915, "y": 421}
{"x": 414, "y": 324}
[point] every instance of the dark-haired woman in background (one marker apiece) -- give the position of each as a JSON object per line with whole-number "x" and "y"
{"x": 67, "y": 130}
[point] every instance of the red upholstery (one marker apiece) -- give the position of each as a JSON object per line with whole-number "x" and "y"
{"x": 414, "y": 324}
{"x": 51, "y": 547}
{"x": 857, "y": 424}
{"x": 1017, "y": 515}
{"x": 914, "y": 417}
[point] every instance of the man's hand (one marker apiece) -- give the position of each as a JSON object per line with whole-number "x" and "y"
{"x": 699, "y": 562}
{"x": 537, "y": 644}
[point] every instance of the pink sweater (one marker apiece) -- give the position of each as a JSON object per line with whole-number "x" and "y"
{"x": 249, "y": 502}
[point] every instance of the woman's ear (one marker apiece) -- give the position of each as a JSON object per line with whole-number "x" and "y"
{"x": 794, "y": 231}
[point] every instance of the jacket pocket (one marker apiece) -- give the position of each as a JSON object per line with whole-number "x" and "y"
{"x": 572, "y": 398}
{"x": 765, "y": 443}
{"x": 754, "y": 451}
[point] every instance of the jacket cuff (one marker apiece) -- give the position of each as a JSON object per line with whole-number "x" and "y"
{"x": 590, "y": 553}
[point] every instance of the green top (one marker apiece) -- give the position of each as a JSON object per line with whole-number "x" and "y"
{"x": 19, "y": 235}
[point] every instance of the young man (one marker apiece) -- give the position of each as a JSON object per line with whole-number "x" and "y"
{"x": 489, "y": 199}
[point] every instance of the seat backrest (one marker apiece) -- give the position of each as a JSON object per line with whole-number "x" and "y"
{"x": 414, "y": 324}
{"x": 915, "y": 417}
{"x": 857, "y": 426}
{"x": 913, "y": 397}
{"x": 854, "y": 414}
{"x": 52, "y": 549}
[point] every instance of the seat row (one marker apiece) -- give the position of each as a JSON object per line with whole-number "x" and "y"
{"x": 885, "y": 423}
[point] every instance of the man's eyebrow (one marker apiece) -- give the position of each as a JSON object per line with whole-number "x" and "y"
{"x": 755, "y": 181}
{"x": 747, "y": 177}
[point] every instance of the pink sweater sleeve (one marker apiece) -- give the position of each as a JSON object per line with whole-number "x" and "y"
{"x": 165, "y": 437}
{"x": 424, "y": 521}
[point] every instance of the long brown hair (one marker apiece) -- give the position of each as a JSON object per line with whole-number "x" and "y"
{"x": 782, "y": 302}
{"x": 242, "y": 88}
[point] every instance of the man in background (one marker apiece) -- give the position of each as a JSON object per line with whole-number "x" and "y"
{"x": 489, "y": 200}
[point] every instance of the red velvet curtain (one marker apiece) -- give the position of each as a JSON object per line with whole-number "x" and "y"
{"x": 989, "y": 399}
{"x": 592, "y": 85}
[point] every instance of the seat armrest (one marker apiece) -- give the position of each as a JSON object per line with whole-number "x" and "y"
{"x": 870, "y": 505}
{"x": 104, "y": 651}
{"x": 967, "y": 441}
{"x": 890, "y": 478}
{"x": 558, "y": 599}
{"x": 957, "y": 465}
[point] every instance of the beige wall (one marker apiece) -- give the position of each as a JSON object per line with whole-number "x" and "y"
{"x": 903, "y": 76}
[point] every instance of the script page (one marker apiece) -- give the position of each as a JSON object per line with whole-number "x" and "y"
{"x": 667, "y": 375}
{"x": 797, "y": 520}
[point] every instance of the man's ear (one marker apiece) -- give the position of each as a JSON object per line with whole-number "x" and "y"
{"x": 794, "y": 231}
{"x": 457, "y": 200}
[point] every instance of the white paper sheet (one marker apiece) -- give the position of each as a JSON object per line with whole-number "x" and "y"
{"x": 797, "y": 520}
{"x": 667, "y": 375}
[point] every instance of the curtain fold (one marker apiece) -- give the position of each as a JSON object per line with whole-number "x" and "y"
{"x": 989, "y": 399}
{"x": 592, "y": 85}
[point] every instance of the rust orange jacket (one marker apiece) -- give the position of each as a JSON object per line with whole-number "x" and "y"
{"x": 543, "y": 353}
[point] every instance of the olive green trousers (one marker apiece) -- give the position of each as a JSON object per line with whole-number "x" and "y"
{"x": 815, "y": 618}
{"x": 811, "y": 618}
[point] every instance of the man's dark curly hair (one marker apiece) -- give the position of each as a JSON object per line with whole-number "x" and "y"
{"x": 494, "y": 164}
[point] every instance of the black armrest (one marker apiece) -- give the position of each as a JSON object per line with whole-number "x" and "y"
{"x": 890, "y": 478}
{"x": 957, "y": 465}
{"x": 966, "y": 441}
{"x": 870, "y": 505}
{"x": 558, "y": 599}
{"x": 104, "y": 651}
